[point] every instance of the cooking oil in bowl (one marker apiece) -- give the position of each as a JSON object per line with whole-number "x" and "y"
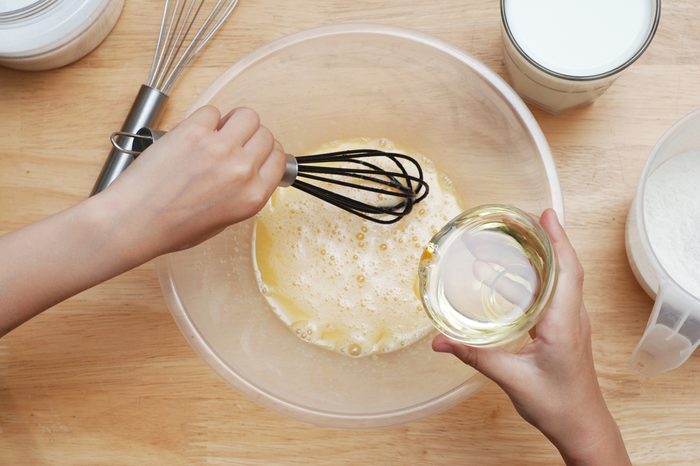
{"x": 487, "y": 276}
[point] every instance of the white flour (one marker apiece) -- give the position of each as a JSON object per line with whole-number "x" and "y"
{"x": 672, "y": 217}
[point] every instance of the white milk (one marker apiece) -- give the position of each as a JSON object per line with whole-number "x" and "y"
{"x": 565, "y": 53}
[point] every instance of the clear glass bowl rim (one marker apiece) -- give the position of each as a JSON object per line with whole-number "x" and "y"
{"x": 197, "y": 340}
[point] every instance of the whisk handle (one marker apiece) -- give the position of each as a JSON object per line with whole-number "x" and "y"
{"x": 291, "y": 170}
{"x": 145, "y": 136}
{"x": 144, "y": 112}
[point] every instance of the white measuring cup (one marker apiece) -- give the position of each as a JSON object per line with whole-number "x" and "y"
{"x": 673, "y": 330}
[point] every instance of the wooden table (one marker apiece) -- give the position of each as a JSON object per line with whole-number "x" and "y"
{"x": 107, "y": 378}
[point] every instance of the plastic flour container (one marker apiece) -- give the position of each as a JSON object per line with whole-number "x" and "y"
{"x": 663, "y": 246}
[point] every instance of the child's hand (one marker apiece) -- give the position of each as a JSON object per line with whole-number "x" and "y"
{"x": 205, "y": 174}
{"x": 202, "y": 176}
{"x": 552, "y": 381}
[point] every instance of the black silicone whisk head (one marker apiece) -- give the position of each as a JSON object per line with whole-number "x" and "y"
{"x": 391, "y": 183}
{"x": 379, "y": 186}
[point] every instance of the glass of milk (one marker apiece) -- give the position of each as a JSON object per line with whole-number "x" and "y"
{"x": 562, "y": 54}
{"x": 663, "y": 247}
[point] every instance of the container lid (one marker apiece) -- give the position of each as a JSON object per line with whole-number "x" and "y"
{"x": 12, "y": 6}
{"x": 29, "y": 28}
{"x": 581, "y": 38}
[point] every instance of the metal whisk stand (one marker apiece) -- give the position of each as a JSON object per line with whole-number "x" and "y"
{"x": 186, "y": 28}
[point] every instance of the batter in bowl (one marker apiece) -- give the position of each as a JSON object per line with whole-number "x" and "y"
{"x": 342, "y": 282}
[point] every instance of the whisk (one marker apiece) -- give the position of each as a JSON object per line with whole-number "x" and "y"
{"x": 394, "y": 190}
{"x": 186, "y": 27}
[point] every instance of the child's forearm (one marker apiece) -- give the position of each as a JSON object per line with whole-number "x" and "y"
{"x": 49, "y": 261}
{"x": 205, "y": 174}
{"x": 552, "y": 381}
{"x": 606, "y": 447}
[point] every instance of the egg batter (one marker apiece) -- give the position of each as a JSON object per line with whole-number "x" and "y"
{"x": 342, "y": 282}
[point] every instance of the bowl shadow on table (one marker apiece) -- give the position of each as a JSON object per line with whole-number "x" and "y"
{"x": 484, "y": 430}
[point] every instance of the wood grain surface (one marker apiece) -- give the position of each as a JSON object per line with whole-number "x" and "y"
{"x": 107, "y": 378}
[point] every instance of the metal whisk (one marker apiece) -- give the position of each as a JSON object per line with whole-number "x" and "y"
{"x": 394, "y": 181}
{"x": 186, "y": 28}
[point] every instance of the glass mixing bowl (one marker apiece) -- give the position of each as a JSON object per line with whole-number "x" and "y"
{"x": 334, "y": 83}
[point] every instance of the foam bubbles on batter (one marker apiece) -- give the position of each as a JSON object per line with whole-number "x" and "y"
{"x": 341, "y": 282}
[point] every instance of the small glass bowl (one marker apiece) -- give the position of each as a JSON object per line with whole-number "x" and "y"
{"x": 487, "y": 277}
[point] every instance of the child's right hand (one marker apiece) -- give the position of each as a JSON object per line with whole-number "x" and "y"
{"x": 552, "y": 381}
{"x": 204, "y": 175}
